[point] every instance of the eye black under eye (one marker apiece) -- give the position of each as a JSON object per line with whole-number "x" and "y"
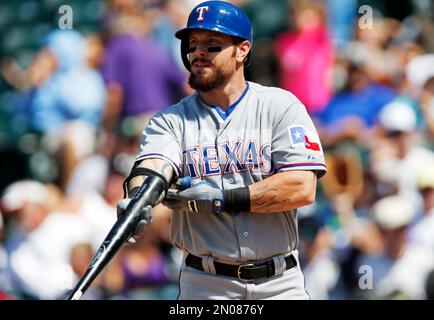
{"x": 214, "y": 49}
{"x": 209, "y": 49}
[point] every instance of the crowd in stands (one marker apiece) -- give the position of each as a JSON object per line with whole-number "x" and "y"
{"x": 74, "y": 102}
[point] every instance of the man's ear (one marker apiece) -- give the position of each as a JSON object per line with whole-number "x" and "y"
{"x": 243, "y": 50}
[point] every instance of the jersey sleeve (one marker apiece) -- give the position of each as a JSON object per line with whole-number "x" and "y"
{"x": 159, "y": 142}
{"x": 295, "y": 142}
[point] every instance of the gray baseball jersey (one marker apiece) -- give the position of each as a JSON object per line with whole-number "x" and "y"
{"x": 265, "y": 132}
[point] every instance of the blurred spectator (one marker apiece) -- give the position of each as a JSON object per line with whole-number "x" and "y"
{"x": 97, "y": 209}
{"x": 369, "y": 50}
{"x": 171, "y": 17}
{"x": 418, "y": 71}
{"x": 319, "y": 261}
{"x": 119, "y": 8}
{"x": 427, "y": 106}
{"x": 306, "y": 55}
{"x": 141, "y": 78}
{"x": 113, "y": 153}
{"x": 391, "y": 267}
{"x": 107, "y": 285}
{"x": 80, "y": 258}
{"x": 396, "y": 151}
{"x": 72, "y": 92}
{"x": 28, "y": 203}
{"x": 354, "y": 111}
{"x": 422, "y": 232}
{"x": 70, "y": 103}
{"x": 39, "y": 254}
{"x": 425, "y": 13}
{"x": 94, "y": 51}
{"x": 144, "y": 266}
{"x": 63, "y": 100}
{"x": 403, "y": 54}
{"x": 350, "y": 232}
{"x": 32, "y": 272}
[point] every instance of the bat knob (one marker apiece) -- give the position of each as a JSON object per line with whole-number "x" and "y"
{"x": 77, "y": 295}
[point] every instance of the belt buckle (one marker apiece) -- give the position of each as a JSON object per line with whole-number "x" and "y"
{"x": 239, "y": 270}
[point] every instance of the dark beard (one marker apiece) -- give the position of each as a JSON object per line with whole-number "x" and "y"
{"x": 197, "y": 81}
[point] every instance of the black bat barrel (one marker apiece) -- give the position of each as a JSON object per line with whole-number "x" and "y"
{"x": 122, "y": 230}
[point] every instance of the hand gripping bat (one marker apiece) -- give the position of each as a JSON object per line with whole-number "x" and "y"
{"x": 122, "y": 230}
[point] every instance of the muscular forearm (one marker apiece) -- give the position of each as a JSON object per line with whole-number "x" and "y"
{"x": 283, "y": 191}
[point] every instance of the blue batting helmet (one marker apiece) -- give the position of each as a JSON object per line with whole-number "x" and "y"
{"x": 216, "y": 16}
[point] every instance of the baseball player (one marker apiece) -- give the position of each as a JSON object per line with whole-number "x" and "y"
{"x": 253, "y": 156}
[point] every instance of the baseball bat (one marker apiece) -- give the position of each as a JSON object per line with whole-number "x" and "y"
{"x": 122, "y": 230}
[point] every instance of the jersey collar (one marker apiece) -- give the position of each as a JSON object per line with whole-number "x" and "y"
{"x": 225, "y": 114}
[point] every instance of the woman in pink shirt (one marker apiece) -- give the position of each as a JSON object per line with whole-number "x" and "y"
{"x": 305, "y": 56}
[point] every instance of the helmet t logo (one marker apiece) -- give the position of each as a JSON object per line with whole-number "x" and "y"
{"x": 201, "y": 12}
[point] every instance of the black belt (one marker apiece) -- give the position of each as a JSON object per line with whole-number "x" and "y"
{"x": 248, "y": 271}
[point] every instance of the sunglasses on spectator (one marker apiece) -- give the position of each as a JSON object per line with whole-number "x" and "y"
{"x": 395, "y": 133}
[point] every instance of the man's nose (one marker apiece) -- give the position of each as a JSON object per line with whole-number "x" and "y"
{"x": 201, "y": 49}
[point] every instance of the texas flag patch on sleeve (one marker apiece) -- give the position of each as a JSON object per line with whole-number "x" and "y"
{"x": 300, "y": 136}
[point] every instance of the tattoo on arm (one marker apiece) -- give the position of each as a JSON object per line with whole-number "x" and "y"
{"x": 284, "y": 191}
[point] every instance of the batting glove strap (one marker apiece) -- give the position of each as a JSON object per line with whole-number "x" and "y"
{"x": 202, "y": 198}
{"x": 207, "y": 206}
